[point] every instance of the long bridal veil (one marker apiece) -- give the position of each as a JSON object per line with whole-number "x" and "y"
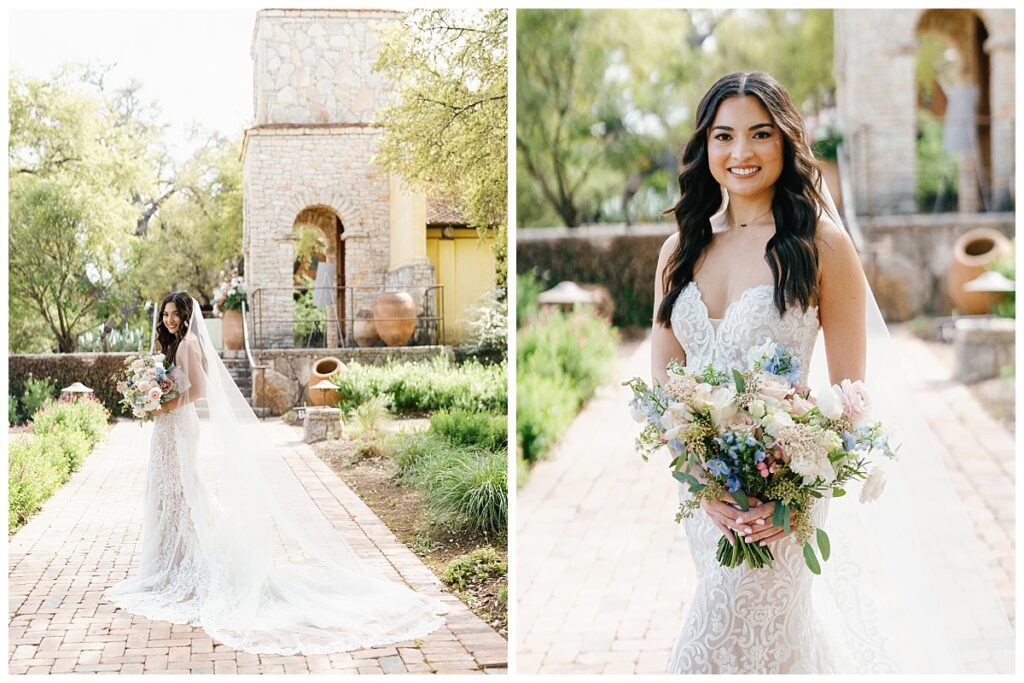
{"x": 907, "y": 589}
{"x": 283, "y": 580}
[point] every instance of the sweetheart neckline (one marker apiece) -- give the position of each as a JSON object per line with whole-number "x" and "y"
{"x": 743, "y": 294}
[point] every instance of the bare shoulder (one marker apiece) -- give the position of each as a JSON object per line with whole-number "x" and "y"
{"x": 669, "y": 246}
{"x": 836, "y": 254}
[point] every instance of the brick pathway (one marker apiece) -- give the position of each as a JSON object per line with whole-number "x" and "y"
{"x": 86, "y": 537}
{"x": 604, "y": 576}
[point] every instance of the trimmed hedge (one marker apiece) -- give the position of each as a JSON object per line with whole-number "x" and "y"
{"x": 94, "y": 370}
{"x": 624, "y": 264}
{"x": 63, "y": 435}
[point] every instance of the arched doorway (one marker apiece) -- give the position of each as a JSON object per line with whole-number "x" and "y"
{"x": 954, "y": 118}
{"x": 319, "y": 312}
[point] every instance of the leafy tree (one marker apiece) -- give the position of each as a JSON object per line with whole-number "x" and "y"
{"x": 606, "y": 98}
{"x": 195, "y": 237}
{"x": 82, "y": 162}
{"x": 447, "y": 132}
{"x": 57, "y": 259}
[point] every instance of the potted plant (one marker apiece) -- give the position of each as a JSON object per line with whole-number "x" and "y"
{"x": 227, "y": 303}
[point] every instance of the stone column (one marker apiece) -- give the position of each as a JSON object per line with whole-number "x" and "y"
{"x": 1000, "y": 48}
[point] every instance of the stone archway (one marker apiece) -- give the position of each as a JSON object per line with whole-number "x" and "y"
{"x": 964, "y": 102}
{"x": 331, "y": 233}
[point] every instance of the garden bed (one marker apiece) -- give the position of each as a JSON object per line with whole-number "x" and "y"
{"x": 405, "y": 511}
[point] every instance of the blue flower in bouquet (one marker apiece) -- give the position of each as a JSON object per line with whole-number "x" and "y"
{"x": 675, "y": 447}
{"x": 717, "y": 467}
{"x": 782, "y": 364}
{"x": 759, "y": 455}
{"x": 849, "y": 441}
{"x": 734, "y": 483}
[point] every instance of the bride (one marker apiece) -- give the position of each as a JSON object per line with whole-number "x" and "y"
{"x": 232, "y": 542}
{"x": 761, "y": 252}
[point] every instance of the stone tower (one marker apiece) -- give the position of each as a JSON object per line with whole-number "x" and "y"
{"x": 874, "y": 65}
{"x": 307, "y": 160}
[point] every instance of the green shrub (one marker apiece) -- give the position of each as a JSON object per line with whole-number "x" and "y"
{"x": 32, "y": 477}
{"x": 63, "y": 433}
{"x": 95, "y": 370}
{"x": 578, "y": 345}
{"x": 36, "y": 392}
{"x": 474, "y": 567}
{"x": 13, "y": 415}
{"x": 528, "y": 288}
{"x": 1006, "y": 306}
{"x": 468, "y": 491}
{"x": 67, "y": 447}
{"x": 545, "y": 407}
{"x": 465, "y": 428}
{"x": 366, "y": 416}
{"x": 425, "y": 387}
{"x": 86, "y": 417}
{"x": 411, "y": 452}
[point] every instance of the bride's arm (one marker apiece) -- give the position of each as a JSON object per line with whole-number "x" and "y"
{"x": 841, "y": 303}
{"x": 664, "y": 345}
{"x": 189, "y": 359}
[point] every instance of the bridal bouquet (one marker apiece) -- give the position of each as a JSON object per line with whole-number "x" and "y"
{"x": 145, "y": 384}
{"x": 757, "y": 433}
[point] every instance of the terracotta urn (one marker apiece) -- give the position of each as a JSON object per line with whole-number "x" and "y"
{"x": 231, "y": 330}
{"x": 365, "y": 329}
{"x": 323, "y": 368}
{"x": 395, "y": 316}
{"x": 974, "y": 250}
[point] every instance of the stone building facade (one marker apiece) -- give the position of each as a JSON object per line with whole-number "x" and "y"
{"x": 875, "y": 54}
{"x": 307, "y": 160}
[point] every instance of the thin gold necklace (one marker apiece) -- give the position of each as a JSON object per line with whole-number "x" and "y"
{"x": 743, "y": 225}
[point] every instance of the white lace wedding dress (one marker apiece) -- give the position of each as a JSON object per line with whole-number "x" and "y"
{"x": 741, "y": 620}
{"x": 246, "y": 581}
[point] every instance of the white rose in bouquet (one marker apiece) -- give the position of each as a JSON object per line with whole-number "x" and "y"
{"x": 830, "y": 404}
{"x": 722, "y": 404}
{"x": 773, "y": 423}
{"x": 756, "y": 353}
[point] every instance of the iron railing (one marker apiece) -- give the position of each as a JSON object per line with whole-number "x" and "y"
{"x": 275, "y": 328}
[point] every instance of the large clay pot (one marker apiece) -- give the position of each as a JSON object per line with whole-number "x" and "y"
{"x": 395, "y": 317}
{"x": 231, "y": 329}
{"x": 364, "y": 329}
{"x": 972, "y": 252}
{"x": 323, "y": 368}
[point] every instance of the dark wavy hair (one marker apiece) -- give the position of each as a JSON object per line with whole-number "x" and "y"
{"x": 791, "y": 253}
{"x": 169, "y": 342}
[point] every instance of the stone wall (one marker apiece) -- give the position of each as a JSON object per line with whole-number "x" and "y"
{"x": 875, "y": 53}
{"x": 295, "y": 364}
{"x": 316, "y": 66}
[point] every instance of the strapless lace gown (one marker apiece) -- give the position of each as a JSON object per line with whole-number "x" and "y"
{"x": 185, "y": 577}
{"x": 740, "y": 620}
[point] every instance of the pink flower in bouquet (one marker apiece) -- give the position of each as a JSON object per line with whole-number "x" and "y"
{"x": 856, "y": 404}
{"x": 799, "y": 405}
{"x": 773, "y": 387}
{"x": 154, "y": 394}
{"x": 165, "y": 385}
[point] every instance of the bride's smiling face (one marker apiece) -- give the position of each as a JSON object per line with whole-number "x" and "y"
{"x": 171, "y": 318}
{"x": 745, "y": 150}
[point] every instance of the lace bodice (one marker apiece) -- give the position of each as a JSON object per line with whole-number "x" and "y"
{"x": 747, "y": 322}
{"x": 742, "y": 620}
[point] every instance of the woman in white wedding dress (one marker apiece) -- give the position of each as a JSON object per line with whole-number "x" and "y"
{"x": 231, "y": 541}
{"x": 760, "y": 253}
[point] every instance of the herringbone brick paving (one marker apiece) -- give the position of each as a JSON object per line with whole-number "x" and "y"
{"x": 89, "y": 534}
{"x": 604, "y": 576}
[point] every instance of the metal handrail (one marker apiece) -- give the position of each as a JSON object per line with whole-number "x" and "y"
{"x": 252, "y": 362}
{"x": 348, "y": 314}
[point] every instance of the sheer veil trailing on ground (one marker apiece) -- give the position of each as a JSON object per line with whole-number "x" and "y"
{"x": 282, "y": 579}
{"x": 907, "y": 588}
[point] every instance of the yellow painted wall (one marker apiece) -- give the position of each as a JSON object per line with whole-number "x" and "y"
{"x": 408, "y": 217}
{"x": 465, "y": 267}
